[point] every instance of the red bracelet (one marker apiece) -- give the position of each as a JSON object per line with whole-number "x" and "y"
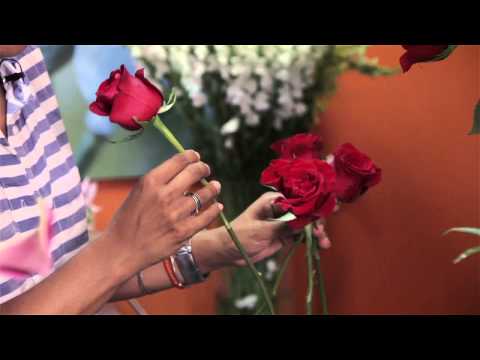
{"x": 168, "y": 265}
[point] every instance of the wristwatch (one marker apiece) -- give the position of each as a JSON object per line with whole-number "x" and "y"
{"x": 188, "y": 267}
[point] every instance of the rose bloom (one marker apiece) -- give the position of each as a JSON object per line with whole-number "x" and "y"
{"x": 420, "y": 53}
{"x": 122, "y": 97}
{"x": 355, "y": 171}
{"x": 308, "y": 186}
{"x": 299, "y": 146}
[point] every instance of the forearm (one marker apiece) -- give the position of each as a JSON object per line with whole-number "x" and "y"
{"x": 78, "y": 287}
{"x": 207, "y": 248}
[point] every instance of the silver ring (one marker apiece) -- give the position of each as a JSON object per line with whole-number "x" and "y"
{"x": 198, "y": 202}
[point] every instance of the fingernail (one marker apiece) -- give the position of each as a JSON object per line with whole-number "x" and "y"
{"x": 220, "y": 206}
{"x": 217, "y": 186}
{"x": 198, "y": 155}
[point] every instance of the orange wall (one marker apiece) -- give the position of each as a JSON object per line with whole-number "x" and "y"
{"x": 388, "y": 254}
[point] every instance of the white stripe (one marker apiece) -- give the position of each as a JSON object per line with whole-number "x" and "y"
{"x": 40, "y": 83}
{"x": 32, "y": 59}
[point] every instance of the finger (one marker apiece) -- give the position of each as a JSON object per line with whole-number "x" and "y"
{"x": 165, "y": 172}
{"x": 189, "y": 176}
{"x": 269, "y": 251}
{"x": 194, "y": 224}
{"x": 322, "y": 238}
{"x": 265, "y": 208}
{"x": 325, "y": 243}
{"x": 319, "y": 230}
{"x": 207, "y": 195}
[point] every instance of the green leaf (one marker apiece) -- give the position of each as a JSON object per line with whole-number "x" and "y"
{"x": 169, "y": 104}
{"x": 467, "y": 230}
{"x": 476, "y": 120}
{"x": 446, "y": 53}
{"x": 286, "y": 217}
{"x": 270, "y": 187}
{"x": 466, "y": 254}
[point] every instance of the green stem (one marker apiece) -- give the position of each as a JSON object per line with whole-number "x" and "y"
{"x": 258, "y": 276}
{"x": 281, "y": 272}
{"x": 158, "y": 123}
{"x": 309, "y": 241}
{"x": 321, "y": 282}
{"x": 284, "y": 266}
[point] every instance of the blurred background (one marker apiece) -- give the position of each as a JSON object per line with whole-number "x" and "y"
{"x": 388, "y": 254}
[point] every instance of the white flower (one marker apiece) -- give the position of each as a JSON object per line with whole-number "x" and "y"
{"x": 198, "y": 68}
{"x": 234, "y": 94}
{"x": 272, "y": 268}
{"x": 261, "y": 102}
{"x": 245, "y": 105}
{"x": 230, "y": 127}
{"x": 300, "y": 109}
{"x": 201, "y": 51}
{"x": 285, "y": 97}
{"x": 252, "y": 119}
{"x": 282, "y": 75}
{"x": 266, "y": 82}
{"x": 199, "y": 99}
{"x": 248, "y": 302}
{"x": 239, "y": 69}
{"x": 278, "y": 123}
{"x": 250, "y": 86}
{"x": 272, "y": 265}
{"x": 229, "y": 143}
{"x": 297, "y": 93}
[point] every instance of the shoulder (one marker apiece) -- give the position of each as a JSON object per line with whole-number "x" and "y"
{"x": 30, "y": 57}
{"x": 33, "y": 65}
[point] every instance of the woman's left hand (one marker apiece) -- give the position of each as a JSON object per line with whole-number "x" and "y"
{"x": 261, "y": 236}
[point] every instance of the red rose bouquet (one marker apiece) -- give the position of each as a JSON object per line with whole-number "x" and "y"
{"x": 313, "y": 188}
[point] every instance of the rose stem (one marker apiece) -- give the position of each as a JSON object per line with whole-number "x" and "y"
{"x": 281, "y": 272}
{"x": 158, "y": 123}
{"x": 320, "y": 280}
{"x": 308, "y": 234}
{"x": 284, "y": 266}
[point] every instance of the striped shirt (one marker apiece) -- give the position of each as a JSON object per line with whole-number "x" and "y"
{"x": 36, "y": 160}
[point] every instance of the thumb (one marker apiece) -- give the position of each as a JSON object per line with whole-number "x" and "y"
{"x": 265, "y": 208}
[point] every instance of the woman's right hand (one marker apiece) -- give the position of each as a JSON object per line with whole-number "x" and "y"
{"x": 156, "y": 218}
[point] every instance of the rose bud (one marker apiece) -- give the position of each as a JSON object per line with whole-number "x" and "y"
{"x": 423, "y": 53}
{"x": 123, "y": 97}
{"x": 299, "y": 146}
{"x": 355, "y": 171}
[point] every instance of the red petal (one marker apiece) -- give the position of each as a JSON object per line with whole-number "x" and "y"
{"x": 99, "y": 108}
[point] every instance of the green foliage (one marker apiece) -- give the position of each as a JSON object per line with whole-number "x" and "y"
{"x": 476, "y": 120}
{"x": 469, "y": 252}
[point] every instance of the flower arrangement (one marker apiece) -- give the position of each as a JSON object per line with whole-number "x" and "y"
{"x": 313, "y": 188}
{"x": 239, "y": 99}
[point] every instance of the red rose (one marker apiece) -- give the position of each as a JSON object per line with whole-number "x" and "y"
{"x": 123, "y": 96}
{"x": 299, "y": 146}
{"x": 355, "y": 171}
{"x": 307, "y": 185}
{"x": 420, "y": 53}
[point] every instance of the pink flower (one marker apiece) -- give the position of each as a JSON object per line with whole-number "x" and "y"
{"x": 26, "y": 256}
